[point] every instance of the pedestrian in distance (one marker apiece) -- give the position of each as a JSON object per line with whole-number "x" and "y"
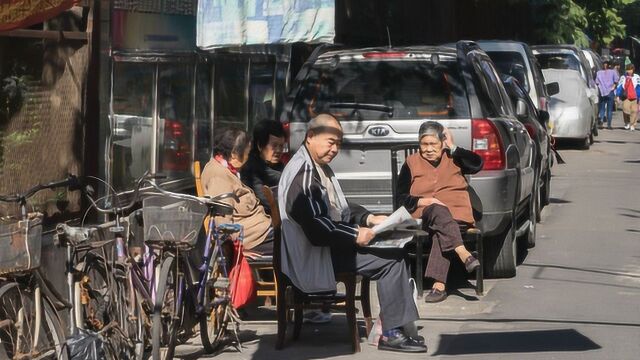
{"x": 606, "y": 79}
{"x": 627, "y": 92}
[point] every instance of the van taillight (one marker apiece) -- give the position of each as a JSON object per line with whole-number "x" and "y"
{"x": 487, "y": 143}
{"x": 286, "y": 154}
{"x": 544, "y": 105}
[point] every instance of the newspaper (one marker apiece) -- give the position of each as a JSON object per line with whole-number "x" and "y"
{"x": 387, "y": 233}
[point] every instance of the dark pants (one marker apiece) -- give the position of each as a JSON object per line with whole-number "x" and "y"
{"x": 606, "y": 108}
{"x": 389, "y": 269}
{"x": 444, "y": 233}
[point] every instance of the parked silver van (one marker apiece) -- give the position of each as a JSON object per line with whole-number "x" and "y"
{"x": 382, "y": 95}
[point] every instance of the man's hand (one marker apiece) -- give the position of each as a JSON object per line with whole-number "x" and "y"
{"x": 448, "y": 139}
{"x": 364, "y": 236}
{"x": 429, "y": 201}
{"x": 373, "y": 220}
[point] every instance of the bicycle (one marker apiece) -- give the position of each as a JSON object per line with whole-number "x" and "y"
{"x": 112, "y": 291}
{"x": 96, "y": 289}
{"x": 172, "y": 222}
{"x": 29, "y": 323}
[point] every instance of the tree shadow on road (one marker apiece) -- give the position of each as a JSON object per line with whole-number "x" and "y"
{"x": 514, "y": 342}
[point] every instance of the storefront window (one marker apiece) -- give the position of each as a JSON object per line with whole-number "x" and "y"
{"x": 261, "y": 92}
{"x": 174, "y": 119}
{"x": 230, "y": 97}
{"x": 131, "y": 122}
{"x": 203, "y": 113}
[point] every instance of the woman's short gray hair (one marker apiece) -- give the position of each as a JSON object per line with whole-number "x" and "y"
{"x": 431, "y": 128}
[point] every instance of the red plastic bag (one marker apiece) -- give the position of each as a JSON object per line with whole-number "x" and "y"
{"x": 243, "y": 286}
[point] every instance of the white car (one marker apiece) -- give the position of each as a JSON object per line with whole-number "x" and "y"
{"x": 571, "y": 113}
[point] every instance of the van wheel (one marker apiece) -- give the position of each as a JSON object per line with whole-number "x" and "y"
{"x": 586, "y": 143}
{"x": 533, "y": 217}
{"x": 545, "y": 195}
{"x": 500, "y": 255}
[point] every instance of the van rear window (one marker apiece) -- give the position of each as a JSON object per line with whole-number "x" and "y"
{"x": 367, "y": 90}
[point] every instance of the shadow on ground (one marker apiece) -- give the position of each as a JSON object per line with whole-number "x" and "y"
{"x": 514, "y": 342}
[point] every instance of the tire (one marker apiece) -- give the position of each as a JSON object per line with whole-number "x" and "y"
{"x": 214, "y": 320}
{"x": 586, "y": 143}
{"x": 167, "y": 311}
{"x": 55, "y": 329}
{"x": 530, "y": 236}
{"x": 501, "y": 255}
{"x": 17, "y": 332}
{"x": 546, "y": 189}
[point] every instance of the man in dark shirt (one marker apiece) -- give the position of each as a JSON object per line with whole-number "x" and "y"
{"x": 323, "y": 235}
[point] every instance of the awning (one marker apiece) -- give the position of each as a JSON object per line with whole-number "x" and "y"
{"x": 16, "y": 14}
{"x": 223, "y": 23}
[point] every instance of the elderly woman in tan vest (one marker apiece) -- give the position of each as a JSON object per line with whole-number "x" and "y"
{"x": 431, "y": 185}
{"x": 222, "y": 175}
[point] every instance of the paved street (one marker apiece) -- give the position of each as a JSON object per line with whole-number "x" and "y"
{"x": 576, "y": 295}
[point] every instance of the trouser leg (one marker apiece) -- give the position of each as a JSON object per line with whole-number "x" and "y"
{"x": 601, "y": 108}
{"x": 610, "y": 101}
{"x": 634, "y": 113}
{"x": 389, "y": 269}
{"x": 626, "y": 111}
{"x": 445, "y": 237}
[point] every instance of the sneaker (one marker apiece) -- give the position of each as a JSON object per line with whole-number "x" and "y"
{"x": 317, "y": 317}
{"x": 626, "y": 126}
{"x": 609, "y": 128}
{"x": 633, "y": 128}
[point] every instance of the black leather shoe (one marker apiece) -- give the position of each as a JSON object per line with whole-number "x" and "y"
{"x": 471, "y": 264}
{"x": 400, "y": 343}
{"x": 435, "y": 295}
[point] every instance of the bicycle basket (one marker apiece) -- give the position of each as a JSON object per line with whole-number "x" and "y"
{"x": 20, "y": 244}
{"x": 172, "y": 220}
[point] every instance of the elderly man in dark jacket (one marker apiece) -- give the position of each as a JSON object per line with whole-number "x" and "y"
{"x": 323, "y": 234}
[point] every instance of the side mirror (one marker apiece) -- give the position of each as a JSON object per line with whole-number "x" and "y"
{"x": 552, "y": 88}
{"x": 522, "y": 110}
{"x": 543, "y": 117}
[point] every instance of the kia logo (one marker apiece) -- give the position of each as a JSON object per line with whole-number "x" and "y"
{"x": 379, "y": 131}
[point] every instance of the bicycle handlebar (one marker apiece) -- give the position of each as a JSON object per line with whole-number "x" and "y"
{"x": 72, "y": 182}
{"x": 215, "y": 203}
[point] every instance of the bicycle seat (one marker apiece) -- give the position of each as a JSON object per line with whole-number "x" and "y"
{"x": 72, "y": 234}
{"x": 229, "y": 228}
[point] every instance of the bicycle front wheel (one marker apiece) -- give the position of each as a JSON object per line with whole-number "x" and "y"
{"x": 218, "y": 310}
{"x": 168, "y": 310}
{"x": 20, "y": 335}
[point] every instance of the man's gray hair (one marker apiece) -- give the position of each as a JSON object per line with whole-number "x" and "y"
{"x": 431, "y": 128}
{"x": 324, "y": 123}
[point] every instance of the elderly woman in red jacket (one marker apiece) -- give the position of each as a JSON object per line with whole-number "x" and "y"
{"x": 432, "y": 186}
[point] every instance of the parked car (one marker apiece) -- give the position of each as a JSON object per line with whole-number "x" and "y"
{"x": 570, "y": 109}
{"x": 595, "y": 61}
{"x": 536, "y": 122}
{"x": 381, "y": 96}
{"x": 570, "y": 57}
{"x": 516, "y": 59}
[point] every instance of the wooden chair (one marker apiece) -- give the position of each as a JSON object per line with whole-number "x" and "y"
{"x": 264, "y": 288}
{"x": 470, "y": 235}
{"x": 289, "y": 297}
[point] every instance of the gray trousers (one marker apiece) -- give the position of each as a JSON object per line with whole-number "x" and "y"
{"x": 389, "y": 269}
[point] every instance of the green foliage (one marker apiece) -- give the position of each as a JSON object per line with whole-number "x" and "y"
{"x": 567, "y": 21}
{"x": 561, "y": 22}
